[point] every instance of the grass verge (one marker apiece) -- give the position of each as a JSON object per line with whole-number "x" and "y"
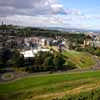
{"x": 80, "y": 59}
{"x": 46, "y": 87}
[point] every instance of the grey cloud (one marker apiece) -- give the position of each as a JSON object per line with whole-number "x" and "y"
{"x": 33, "y": 7}
{"x": 7, "y": 3}
{"x": 36, "y": 12}
{"x": 6, "y": 11}
{"x": 30, "y": 7}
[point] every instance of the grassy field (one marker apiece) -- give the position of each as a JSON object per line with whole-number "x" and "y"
{"x": 91, "y": 95}
{"x": 80, "y": 59}
{"x": 47, "y": 87}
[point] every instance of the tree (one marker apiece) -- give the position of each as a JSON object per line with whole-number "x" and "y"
{"x": 39, "y": 59}
{"x": 17, "y": 59}
{"x": 59, "y": 61}
{"x": 48, "y": 63}
{"x": 5, "y": 55}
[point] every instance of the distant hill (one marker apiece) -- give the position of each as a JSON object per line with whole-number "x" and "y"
{"x": 72, "y": 29}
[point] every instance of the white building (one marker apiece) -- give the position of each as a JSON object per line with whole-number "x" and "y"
{"x": 31, "y": 53}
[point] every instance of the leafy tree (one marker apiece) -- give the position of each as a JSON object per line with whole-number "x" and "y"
{"x": 48, "y": 63}
{"x": 59, "y": 61}
{"x": 40, "y": 57}
{"x": 5, "y": 55}
{"x": 17, "y": 59}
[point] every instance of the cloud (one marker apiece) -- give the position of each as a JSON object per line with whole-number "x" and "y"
{"x": 97, "y": 17}
{"x": 36, "y": 12}
{"x": 34, "y": 7}
{"x": 67, "y": 21}
{"x": 45, "y": 21}
{"x": 30, "y": 7}
{"x": 40, "y": 20}
{"x": 73, "y": 12}
{"x": 44, "y": 13}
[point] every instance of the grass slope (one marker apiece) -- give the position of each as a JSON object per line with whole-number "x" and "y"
{"x": 80, "y": 59}
{"x": 47, "y": 87}
{"x": 91, "y": 95}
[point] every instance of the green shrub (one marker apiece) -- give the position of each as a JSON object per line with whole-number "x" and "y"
{"x": 71, "y": 65}
{"x": 97, "y": 52}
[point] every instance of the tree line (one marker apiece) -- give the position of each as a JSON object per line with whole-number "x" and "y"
{"x": 43, "y": 61}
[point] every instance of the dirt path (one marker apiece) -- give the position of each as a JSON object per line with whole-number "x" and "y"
{"x": 83, "y": 88}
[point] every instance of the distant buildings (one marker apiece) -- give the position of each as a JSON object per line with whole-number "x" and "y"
{"x": 92, "y": 40}
{"x": 36, "y": 42}
{"x": 28, "y": 46}
{"x": 7, "y": 38}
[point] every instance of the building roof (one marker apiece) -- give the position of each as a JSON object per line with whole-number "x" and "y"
{"x": 27, "y": 53}
{"x": 31, "y": 53}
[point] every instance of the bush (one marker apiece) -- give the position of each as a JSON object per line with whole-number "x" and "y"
{"x": 70, "y": 65}
{"x": 46, "y": 61}
{"x": 97, "y": 52}
{"x": 59, "y": 61}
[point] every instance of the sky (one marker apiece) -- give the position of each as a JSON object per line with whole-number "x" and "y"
{"x": 84, "y": 14}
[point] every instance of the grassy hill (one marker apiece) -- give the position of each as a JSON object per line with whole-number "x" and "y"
{"x": 80, "y": 59}
{"x": 47, "y": 87}
{"x": 89, "y": 95}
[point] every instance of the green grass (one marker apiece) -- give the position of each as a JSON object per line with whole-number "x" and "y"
{"x": 80, "y": 59}
{"x": 44, "y": 84}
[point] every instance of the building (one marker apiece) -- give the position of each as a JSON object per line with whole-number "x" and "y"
{"x": 37, "y": 42}
{"x": 31, "y": 53}
{"x": 7, "y": 38}
{"x": 92, "y": 41}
